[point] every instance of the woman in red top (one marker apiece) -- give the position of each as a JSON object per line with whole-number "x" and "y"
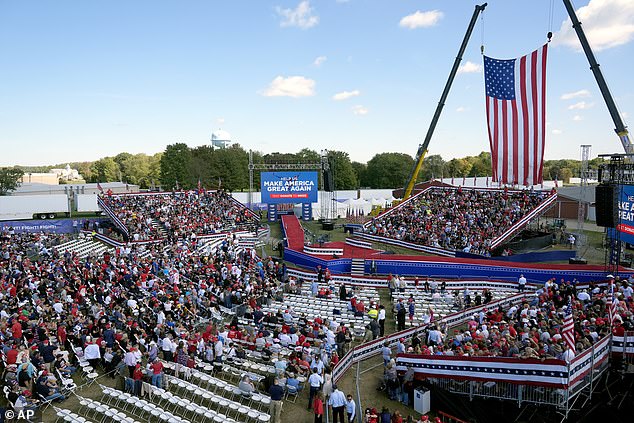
{"x": 137, "y": 375}
{"x": 318, "y": 407}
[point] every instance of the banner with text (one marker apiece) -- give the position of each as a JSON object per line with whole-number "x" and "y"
{"x": 49, "y": 226}
{"x": 288, "y": 187}
{"x": 626, "y": 213}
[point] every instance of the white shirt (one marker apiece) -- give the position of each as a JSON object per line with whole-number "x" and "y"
{"x": 167, "y": 344}
{"x": 381, "y": 314}
{"x": 284, "y": 339}
{"x": 92, "y": 352}
{"x": 315, "y": 380}
{"x": 218, "y": 349}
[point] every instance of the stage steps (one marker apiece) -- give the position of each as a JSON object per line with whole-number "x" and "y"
{"x": 357, "y": 267}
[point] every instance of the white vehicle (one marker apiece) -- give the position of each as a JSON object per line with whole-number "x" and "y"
{"x": 19, "y": 207}
{"x": 86, "y": 203}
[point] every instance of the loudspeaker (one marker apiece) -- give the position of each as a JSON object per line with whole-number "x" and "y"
{"x": 607, "y": 207}
{"x": 329, "y": 184}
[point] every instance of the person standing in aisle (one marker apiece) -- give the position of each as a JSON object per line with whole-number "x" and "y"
{"x": 381, "y": 320}
{"x": 338, "y": 403}
{"x": 276, "y": 392}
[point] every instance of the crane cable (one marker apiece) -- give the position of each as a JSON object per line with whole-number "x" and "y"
{"x": 550, "y": 20}
{"x": 482, "y": 32}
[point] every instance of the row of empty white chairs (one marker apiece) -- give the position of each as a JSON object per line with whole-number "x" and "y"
{"x": 137, "y": 406}
{"x": 219, "y": 386}
{"x": 441, "y": 307}
{"x": 102, "y": 412}
{"x": 313, "y": 307}
{"x": 191, "y": 409}
{"x": 208, "y": 398}
{"x": 363, "y": 292}
{"x": 253, "y": 366}
{"x": 68, "y": 416}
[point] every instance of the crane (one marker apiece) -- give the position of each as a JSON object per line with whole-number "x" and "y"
{"x": 422, "y": 148}
{"x": 620, "y": 128}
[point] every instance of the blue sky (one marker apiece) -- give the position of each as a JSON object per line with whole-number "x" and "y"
{"x": 82, "y": 80}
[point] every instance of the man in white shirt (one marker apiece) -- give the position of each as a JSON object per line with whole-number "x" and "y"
{"x": 285, "y": 339}
{"x": 218, "y": 350}
{"x": 338, "y": 403}
{"x": 583, "y": 296}
{"x": 130, "y": 359}
{"x": 92, "y": 353}
{"x": 167, "y": 348}
{"x": 521, "y": 283}
{"x": 568, "y": 354}
{"x": 351, "y": 408}
{"x": 318, "y": 364}
{"x": 315, "y": 381}
{"x": 381, "y": 320}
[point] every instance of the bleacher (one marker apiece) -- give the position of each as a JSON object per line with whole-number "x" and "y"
{"x": 459, "y": 219}
{"x": 84, "y": 246}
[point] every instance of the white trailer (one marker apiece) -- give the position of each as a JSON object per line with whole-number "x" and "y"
{"x": 86, "y": 203}
{"x": 16, "y": 207}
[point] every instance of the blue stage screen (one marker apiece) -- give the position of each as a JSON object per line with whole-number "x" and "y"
{"x": 288, "y": 187}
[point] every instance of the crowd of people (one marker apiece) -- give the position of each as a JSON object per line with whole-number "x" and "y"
{"x": 179, "y": 214}
{"x": 127, "y": 313}
{"x": 534, "y": 328}
{"x": 457, "y": 218}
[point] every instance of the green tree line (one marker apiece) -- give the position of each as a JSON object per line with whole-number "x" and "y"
{"x": 184, "y": 166}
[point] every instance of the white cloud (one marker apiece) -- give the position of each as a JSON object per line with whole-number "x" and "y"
{"x": 292, "y": 86}
{"x": 420, "y": 19}
{"x": 469, "y": 67}
{"x": 220, "y": 120}
{"x": 360, "y": 110}
{"x": 344, "y": 95}
{"x": 461, "y": 109}
{"x": 582, "y": 105}
{"x": 577, "y": 118}
{"x": 576, "y": 94}
{"x": 302, "y": 16}
{"x": 607, "y": 23}
{"x": 557, "y": 132}
{"x": 625, "y": 115}
{"x": 319, "y": 60}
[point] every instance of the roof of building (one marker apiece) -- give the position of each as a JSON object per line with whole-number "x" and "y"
{"x": 574, "y": 193}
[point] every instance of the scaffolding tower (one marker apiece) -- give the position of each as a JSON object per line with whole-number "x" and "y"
{"x": 581, "y": 211}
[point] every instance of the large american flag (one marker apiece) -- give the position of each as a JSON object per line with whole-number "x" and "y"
{"x": 516, "y": 116}
{"x": 568, "y": 332}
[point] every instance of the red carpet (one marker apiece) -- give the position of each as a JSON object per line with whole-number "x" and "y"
{"x": 294, "y": 232}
